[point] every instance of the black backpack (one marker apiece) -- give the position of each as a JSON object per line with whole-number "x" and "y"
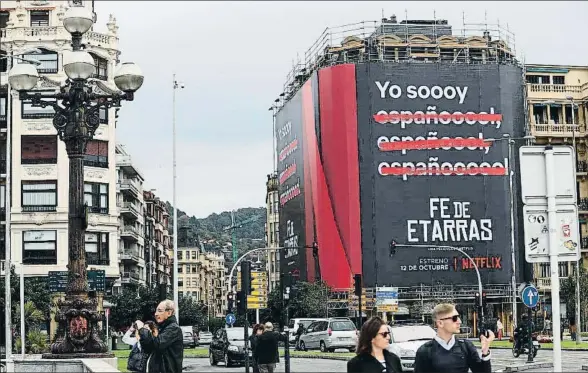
{"x": 460, "y": 342}
{"x": 137, "y": 359}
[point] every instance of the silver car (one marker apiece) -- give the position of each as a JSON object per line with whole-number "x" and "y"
{"x": 405, "y": 340}
{"x": 329, "y": 335}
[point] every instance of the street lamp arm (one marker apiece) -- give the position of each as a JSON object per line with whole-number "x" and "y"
{"x": 230, "y": 282}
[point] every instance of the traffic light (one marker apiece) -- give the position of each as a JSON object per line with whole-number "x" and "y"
{"x": 357, "y": 284}
{"x": 315, "y": 249}
{"x": 483, "y": 298}
{"x": 392, "y": 248}
{"x": 230, "y": 302}
{"x": 246, "y": 279}
{"x": 241, "y": 302}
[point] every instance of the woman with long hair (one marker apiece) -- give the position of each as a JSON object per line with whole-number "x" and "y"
{"x": 257, "y": 330}
{"x": 372, "y": 354}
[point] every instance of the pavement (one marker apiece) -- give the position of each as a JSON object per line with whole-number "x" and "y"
{"x": 502, "y": 361}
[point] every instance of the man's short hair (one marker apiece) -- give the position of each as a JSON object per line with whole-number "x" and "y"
{"x": 169, "y": 305}
{"x": 442, "y": 310}
{"x": 268, "y": 326}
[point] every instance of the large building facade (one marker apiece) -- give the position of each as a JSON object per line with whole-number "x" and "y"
{"x": 272, "y": 232}
{"x": 201, "y": 276}
{"x": 557, "y": 105}
{"x": 39, "y": 185}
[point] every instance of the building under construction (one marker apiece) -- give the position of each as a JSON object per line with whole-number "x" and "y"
{"x": 361, "y": 85}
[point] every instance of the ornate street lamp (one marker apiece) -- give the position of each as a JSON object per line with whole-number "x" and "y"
{"x": 76, "y": 120}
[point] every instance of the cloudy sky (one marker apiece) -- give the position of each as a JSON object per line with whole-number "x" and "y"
{"x": 233, "y": 58}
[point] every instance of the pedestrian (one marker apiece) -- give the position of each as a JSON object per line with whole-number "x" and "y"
{"x": 372, "y": 350}
{"x": 257, "y": 330}
{"x": 166, "y": 348}
{"x": 137, "y": 358}
{"x": 445, "y": 353}
{"x": 299, "y": 333}
{"x": 499, "y": 328}
{"x": 267, "y": 348}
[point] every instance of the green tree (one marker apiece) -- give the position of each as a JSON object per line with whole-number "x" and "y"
{"x": 309, "y": 299}
{"x": 133, "y": 303}
{"x": 568, "y": 292}
{"x": 192, "y": 312}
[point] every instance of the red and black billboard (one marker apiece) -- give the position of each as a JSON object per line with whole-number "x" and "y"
{"x": 399, "y": 152}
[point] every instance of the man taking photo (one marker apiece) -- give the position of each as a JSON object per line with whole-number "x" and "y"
{"x": 446, "y": 353}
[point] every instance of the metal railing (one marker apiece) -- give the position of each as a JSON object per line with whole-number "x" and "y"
{"x": 387, "y": 40}
{"x": 582, "y": 166}
{"x": 583, "y": 204}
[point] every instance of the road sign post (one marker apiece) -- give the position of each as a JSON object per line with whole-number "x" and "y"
{"x": 551, "y": 218}
{"x": 530, "y": 297}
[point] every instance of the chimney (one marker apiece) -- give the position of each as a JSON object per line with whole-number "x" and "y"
{"x": 393, "y": 19}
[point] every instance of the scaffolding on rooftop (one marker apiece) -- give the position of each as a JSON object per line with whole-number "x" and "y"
{"x": 408, "y": 41}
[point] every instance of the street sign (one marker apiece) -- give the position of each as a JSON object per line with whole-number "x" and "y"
{"x": 254, "y": 299}
{"x": 259, "y": 274}
{"x": 58, "y": 281}
{"x": 257, "y": 306}
{"x": 259, "y": 293}
{"x": 537, "y": 233}
{"x": 230, "y": 319}
{"x": 533, "y": 175}
{"x": 530, "y": 296}
{"x": 387, "y": 299}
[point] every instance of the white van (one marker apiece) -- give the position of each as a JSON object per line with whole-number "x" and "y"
{"x": 295, "y": 323}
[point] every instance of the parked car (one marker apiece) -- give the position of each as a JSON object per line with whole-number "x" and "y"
{"x": 295, "y": 323}
{"x": 205, "y": 338}
{"x": 190, "y": 338}
{"x": 228, "y": 345}
{"x": 405, "y": 340}
{"x": 329, "y": 335}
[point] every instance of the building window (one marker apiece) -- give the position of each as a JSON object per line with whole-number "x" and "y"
{"x": 97, "y": 248}
{"x": 4, "y": 16}
{"x": 180, "y": 255}
{"x": 39, "y": 196}
{"x": 101, "y": 69}
{"x": 2, "y": 109}
{"x": 3, "y": 62}
{"x": 38, "y": 150}
{"x": 103, "y": 115}
{"x": 47, "y": 58}
{"x": 31, "y": 112}
{"x": 39, "y": 18}
{"x": 559, "y": 79}
{"x": 96, "y": 196}
{"x": 39, "y": 247}
{"x": 96, "y": 154}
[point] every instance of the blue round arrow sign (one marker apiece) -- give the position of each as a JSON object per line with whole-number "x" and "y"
{"x": 230, "y": 319}
{"x": 530, "y": 296}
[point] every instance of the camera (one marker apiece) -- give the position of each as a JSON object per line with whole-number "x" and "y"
{"x": 485, "y": 325}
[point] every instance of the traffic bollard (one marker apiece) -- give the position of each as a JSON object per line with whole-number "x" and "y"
{"x": 287, "y": 352}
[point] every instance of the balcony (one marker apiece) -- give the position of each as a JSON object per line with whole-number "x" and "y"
{"x": 582, "y": 168}
{"x": 129, "y": 187}
{"x": 131, "y": 255}
{"x": 131, "y": 278}
{"x": 558, "y": 130}
{"x": 547, "y": 91}
{"x": 130, "y": 210}
{"x": 129, "y": 232}
{"x": 545, "y": 283}
{"x": 52, "y": 33}
{"x": 583, "y": 205}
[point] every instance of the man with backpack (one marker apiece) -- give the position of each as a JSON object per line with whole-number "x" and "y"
{"x": 446, "y": 353}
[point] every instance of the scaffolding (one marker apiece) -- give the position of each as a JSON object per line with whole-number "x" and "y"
{"x": 408, "y": 41}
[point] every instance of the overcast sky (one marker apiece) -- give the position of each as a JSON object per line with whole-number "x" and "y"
{"x": 233, "y": 58}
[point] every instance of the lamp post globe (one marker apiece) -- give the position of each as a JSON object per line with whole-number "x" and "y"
{"x": 78, "y": 65}
{"x": 128, "y": 77}
{"x": 78, "y": 20}
{"x": 23, "y": 77}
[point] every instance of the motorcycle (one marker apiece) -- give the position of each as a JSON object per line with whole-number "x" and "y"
{"x": 523, "y": 348}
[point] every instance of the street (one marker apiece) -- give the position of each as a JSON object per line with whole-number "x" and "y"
{"x": 572, "y": 361}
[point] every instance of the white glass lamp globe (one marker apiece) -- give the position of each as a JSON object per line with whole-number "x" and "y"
{"x": 78, "y": 19}
{"x": 128, "y": 77}
{"x": 23, "y": 77}
{"x": 78, "y": 64}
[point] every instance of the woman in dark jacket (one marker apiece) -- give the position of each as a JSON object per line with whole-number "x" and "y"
{"x": 257, "y": 330}
{"x": 372, "y": 354}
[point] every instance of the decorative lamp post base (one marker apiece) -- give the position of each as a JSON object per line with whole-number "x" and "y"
{"x": 78, "y": 328}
